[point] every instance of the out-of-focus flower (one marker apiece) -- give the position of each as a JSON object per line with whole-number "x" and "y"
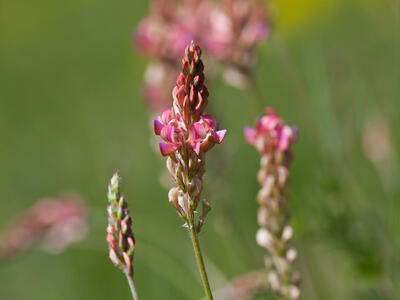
{"x": 229, "y": 32}
{"x": 170, "y": 26}
{"x": 271, "y": 134}
{"x": 54, "y": 224}
{"x": 237, "y": 27}
{"x": 274, "y": 139}
{"x": 156, "y": 89}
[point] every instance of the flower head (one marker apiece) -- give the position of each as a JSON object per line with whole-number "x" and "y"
{"x": 271, "y": 134}
{"x": 185, "y": 124}
{"x": 188, "y": 133}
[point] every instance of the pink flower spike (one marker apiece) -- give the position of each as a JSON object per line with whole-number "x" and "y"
{"x": 167, "y": 149}
{"x": 157, "y": 127}
{"x": 220, "y": 136}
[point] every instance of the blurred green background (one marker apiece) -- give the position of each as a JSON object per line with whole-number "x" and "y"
{"x": 71, "y": 113}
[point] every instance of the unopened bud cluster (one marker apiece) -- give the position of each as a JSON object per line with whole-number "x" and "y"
{"x": 188, "y": 134}
{"x": 120, "y": 239}
{"x": 274, "y": 139}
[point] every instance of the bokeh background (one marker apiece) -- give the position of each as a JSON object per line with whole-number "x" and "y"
{"x": 71, "y": 113}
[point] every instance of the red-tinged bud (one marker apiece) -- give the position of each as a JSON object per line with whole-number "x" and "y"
{"x": 120, "y": 239}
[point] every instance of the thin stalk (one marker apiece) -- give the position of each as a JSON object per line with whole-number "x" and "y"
{"x": 200, "y": 261}
{"x": 132, "y": 286}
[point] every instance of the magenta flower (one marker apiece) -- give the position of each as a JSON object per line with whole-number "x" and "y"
{"x": 185, "y": 124}
{"x": 271, "y": 133}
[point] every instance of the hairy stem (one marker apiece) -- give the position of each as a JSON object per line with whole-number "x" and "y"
{"x": 200, "y": 261}
{"x": 132, "y": 286}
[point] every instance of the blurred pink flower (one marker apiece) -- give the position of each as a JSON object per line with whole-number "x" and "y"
{"x": 274, "y": 140}
{"x": 229, "y": 32}
{"x": 52, "y": 223}
{"x": 271, "y": 134}
{"x": 237, "y": 26}
{"x": 156, "y": 89}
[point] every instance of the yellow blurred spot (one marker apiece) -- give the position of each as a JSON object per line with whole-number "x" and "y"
{"x": 290, "y": 14}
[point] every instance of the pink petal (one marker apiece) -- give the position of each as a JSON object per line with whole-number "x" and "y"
{"x": 167, "y": 149}
{"x": 157, "y": 127}
{"x": 166, "y": 116}
{"x": 167, "y": 133}
{"x": 285, "y": 138}
{"x": 250, "y": 135}
{"x": 209, "y": 120}
{"x": 197, "y": 148}
{"x": 199, "y": 129}
{"x": 220, "y": 136}
{"x": 179, "y": 93}
{"x": 181, "y": 79}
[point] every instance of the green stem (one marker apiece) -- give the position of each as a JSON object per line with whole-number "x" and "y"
{"x": 256, "y": 96}
{"x": 132, "y": 286}
{"x": 200, "y": 261}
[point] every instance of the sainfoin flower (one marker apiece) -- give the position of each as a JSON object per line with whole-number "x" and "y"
{"x": 274, "y": 140}
{"x": 270, "y": 134}
{"x": 188, "y": 133}
{"x": 185, "y": 124}
{"x": 53, "y": 224}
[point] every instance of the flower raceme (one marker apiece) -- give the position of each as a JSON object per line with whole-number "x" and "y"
{"x": 274, "y": 140}
{"x": 185, "y": 124}
{"x": 187, "y": 135}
